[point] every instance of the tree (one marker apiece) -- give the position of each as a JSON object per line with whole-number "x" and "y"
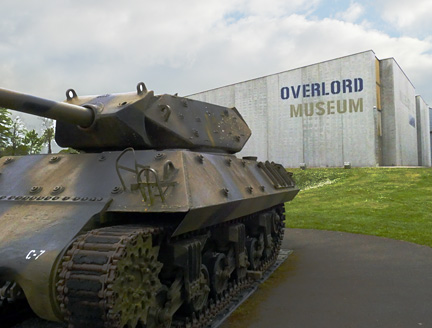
{"x": 5, "y": 127}
{"x": 33, "y": 142}
{"x": 48, "y": 133}
{"x": 16, "y": 139}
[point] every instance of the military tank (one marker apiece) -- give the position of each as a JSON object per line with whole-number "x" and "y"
{"x": 155, "y": 223}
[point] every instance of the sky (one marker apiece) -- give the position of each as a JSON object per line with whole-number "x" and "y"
{"x": 188, "y": 46}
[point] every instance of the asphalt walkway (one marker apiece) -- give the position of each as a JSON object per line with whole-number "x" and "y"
{"x": 336, "y": 279}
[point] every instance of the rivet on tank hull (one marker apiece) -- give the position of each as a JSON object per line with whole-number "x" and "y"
{"x": 54, "y": 159}
{"x": 35, "y": 189}
{"x": 200, "y": 159}
{"x": 57, "y": 190}
{"x": 116, "y": 190}
{"x": 159, "y": 156}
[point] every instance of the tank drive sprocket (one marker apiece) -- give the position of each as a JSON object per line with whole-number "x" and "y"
{"x": 109, "y": 278}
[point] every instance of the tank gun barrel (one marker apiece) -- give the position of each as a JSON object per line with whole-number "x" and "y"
{"x": 61, "y": 111}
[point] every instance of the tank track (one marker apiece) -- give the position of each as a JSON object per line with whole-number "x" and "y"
{"x": 87, "y": 287}
{"x": 90, "y": 295}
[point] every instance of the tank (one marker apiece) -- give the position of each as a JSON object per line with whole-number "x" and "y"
{"x": 155, "y": 223}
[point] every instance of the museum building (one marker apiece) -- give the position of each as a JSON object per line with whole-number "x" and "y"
{"x": 355, "y": 109}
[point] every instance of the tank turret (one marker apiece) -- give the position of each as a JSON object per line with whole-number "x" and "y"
{"x": 138, "y": 119}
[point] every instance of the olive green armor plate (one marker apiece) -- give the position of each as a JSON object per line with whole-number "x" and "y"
{"x": 45, "y": 201}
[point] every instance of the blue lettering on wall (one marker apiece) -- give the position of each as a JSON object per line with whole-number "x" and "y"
{"x": 284, "y": 93}
{"x": 335, "y": 87}
{"x": 296, "y": 92}
{"x": 412, "y": 121}
{"x": 308, "y": 90}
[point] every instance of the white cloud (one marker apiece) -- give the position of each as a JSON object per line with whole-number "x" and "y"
{"x": 277, "y": 8}
{"x": 409, "y": 17}
{"x": 261, "y": 46}
{"x": 183, "y": 47}
{"x": 352, "y": 14}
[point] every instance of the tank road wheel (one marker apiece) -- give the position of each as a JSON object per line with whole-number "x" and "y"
{"x": 217, "y": 263}
{"x": 109, "y": 278}
{"x": 201, "y": 291}
{"x": 279, "y": 225}
{"x": 255, "y": 248}
{"x": 157, "y": 317}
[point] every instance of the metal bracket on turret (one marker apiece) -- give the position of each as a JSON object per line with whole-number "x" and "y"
{"x": 147, "y": 178}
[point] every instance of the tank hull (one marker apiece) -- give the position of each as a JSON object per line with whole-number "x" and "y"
{"x": 47, "y": 201}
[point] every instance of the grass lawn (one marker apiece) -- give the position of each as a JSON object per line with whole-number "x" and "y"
{"x": 389, "y": 202}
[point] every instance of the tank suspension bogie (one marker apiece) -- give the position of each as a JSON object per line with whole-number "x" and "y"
{"x": 13, "y": 303}
{"x": 185, "y": 256}
{"x": 255, "y": 248}
{"x": 230, "y": 240}
{"x": 220, "y": 271}
{"x": 200, "y": 290}
{"x": 10, "y": 292}
{"x": 263, "y": 235}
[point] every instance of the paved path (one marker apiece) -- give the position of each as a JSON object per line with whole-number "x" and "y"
{"x": 336, "y": 279}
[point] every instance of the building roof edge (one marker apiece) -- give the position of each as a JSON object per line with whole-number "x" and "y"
{"x": 289, "y": 70}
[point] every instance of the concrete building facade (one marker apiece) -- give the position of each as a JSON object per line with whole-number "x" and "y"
{"x": 355, "y": 109}
{"x": 430, "y": 127}
{"x": 423, "y": 132}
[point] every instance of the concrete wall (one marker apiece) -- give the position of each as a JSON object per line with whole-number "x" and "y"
{"x": 321, "y": 115}
{"x": 423, "y": 132}
{"x": 398, "y": 115}
{"x": 430, "y": 128}
{"x": 353, "y": 109}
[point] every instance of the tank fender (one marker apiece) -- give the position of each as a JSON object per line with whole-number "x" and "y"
{"x": 33, "y": 236}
